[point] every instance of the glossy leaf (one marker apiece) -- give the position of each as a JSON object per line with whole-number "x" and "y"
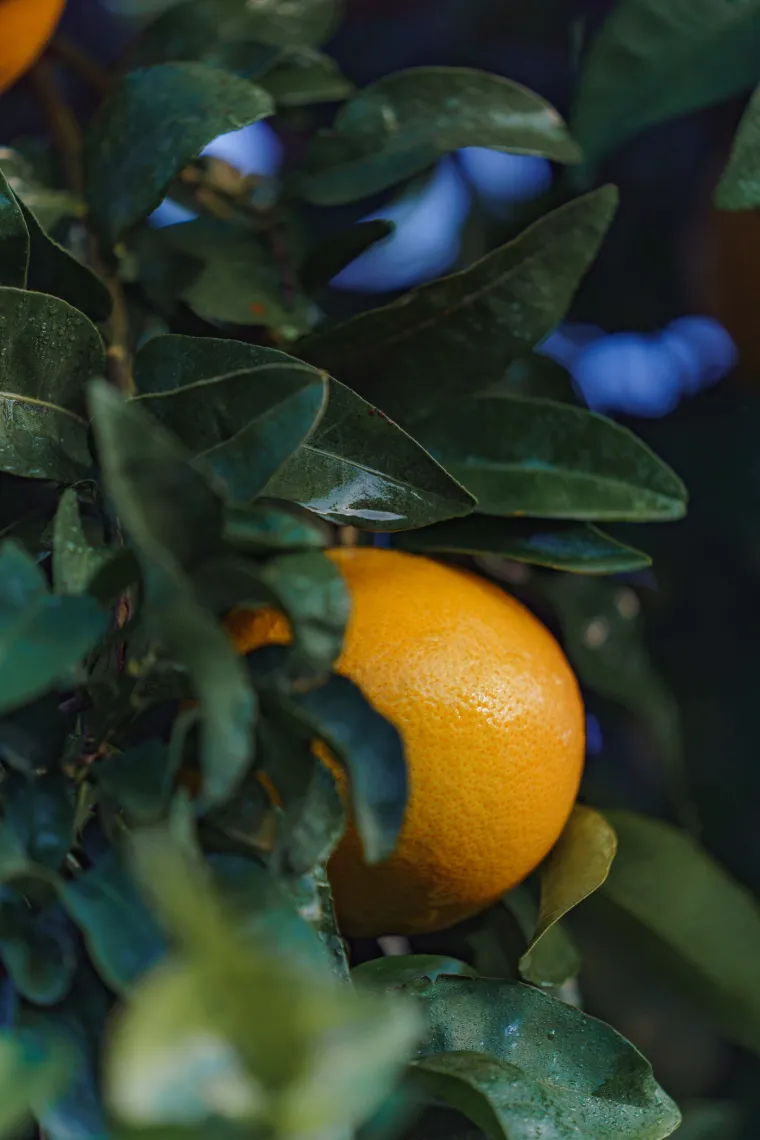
{"x": 575, "y": 868}
{"x": 325, "y": 260}
{"x": 366, "y": 745}
{"x": 578, "y": 547}
{"x": 14, "y": 239}
{"x": 50, "y": 351}
{"x": 240, "y": 281}
{"x": 123, "y": 939}
{"x": 243, "y": 426}
{"x": 424, "y": 349}
{"x": 75, "y": 561}
{"x": 701, "y": 925}
{"x": 358, "y": 468}
{"x": 151, "y": 126}
{"x": 404, "y": 122}
{"x": 400, "y": 969}
{"x": 53, "y": 270}
{"x": 29, "y": 1079}
{"x": 305, "y": 76}
{"x": 654, "y": 61}
{"x": 554, "y": 1069}
{"x": 739, "y": 186}
{"x": 43, "y": 637}
{"x": 518, "y": 456}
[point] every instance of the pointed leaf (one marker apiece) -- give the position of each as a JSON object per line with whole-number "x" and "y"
{"x": 404, "y": 122}
{"x": 653, "y": 61}
{"x": 515, "y": 1061}
{"x": 152, "y": 125}
{"x": 53, "y": 270}
{"x": 325, "y": 260}
{"x": 536, "y": 457}
{"x": 14, "y": 239}
{"x": 739, "y": 186}
{"x": 400, "y": 969}
{"x": 576, "y": 867}
{"x": 577, "y": 547}
{"x": 424, "y": 349}
{"x": 700, "y": 924}
{"x": 305, "y": 76}
{"x": 167, "y": 363}
{"x": 243, "y": 426}
{"x": 75, "y": 562}
{"x": 50, "y": 351}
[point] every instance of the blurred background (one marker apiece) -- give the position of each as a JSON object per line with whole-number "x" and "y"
{"x": 662, "y": 336}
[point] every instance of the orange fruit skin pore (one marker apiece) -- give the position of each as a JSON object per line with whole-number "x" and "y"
{"x": 493, "y": 727}
{"x": 25, "y": 28}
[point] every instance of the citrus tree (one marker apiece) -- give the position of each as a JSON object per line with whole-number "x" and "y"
{"x": 218, "y": 685}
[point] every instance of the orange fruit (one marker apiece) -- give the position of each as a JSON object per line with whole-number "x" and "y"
{"x": 25, "y": 28}
{"x": 493, "y": 727}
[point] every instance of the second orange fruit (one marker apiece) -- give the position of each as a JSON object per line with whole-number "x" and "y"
{"x": 493, "y": 727}
{"x": 25, "y": 28}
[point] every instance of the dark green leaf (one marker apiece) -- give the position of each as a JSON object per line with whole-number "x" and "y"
{"x": 437, "y": 343}
{"x": 50, "y": 351}
{"x": 739, "y": 186}
{"x": 53, "y": 270}
{"x": 75, "y": 562}
{"x": 30, "y": 1078}
{"x": 519, "y": 455}
{"x": 305, "y": 76}
{"x": 243, "y": 426}
{"x": 404, "y": 122}
{"x": 700, "y": 924}
{"x": 653, "y": 61}
{"x": 41, "y": 810}
{"x": 123, "y": 938}
{"x": 558, "y": 960}
{"x": 43, "y": 637}
{"x": 357, "y": 468}
{"x": 263, "y": 529}
{"x": 517, "y": 1061}
{"x": 33, "y": 737}
{"x": 338, "y": 250}
{"x": 400, "y": 969}
{"x": 14, "y": 239}
{"x": 140, "y": 780}
{"x": 319, "y": 825}
{"x": 240, "y": 281}
{"x": 366, "y": 745}
{"x": 37, "y": 950}
{"x": 154, "y": 123}
{"x": 578, "y": 547}
{"x": 536, "y": 375}
{"x": 576, "y": 867}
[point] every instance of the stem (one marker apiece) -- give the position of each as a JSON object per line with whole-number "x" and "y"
{"x": 67, "y": 139}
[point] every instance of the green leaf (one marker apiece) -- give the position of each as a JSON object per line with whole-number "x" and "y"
{"x": 262, "y": 529}
{"x": 43, "y": 637}
{"x": 325, "y": 260}
{"x": 174, "y": 519}
{"x": 536, "y": 375}
{"x": 400, "y": 969}
{"x": 692, "y": 917}
{"x": 50, "y": 351}
{"x": 739, "y": 186}
{"x": 140, "y": 779}
{"x": 40, "y": 811}
{"x": 240, "y": 281}
{"x": 423, "y": 350}
{"x": 653, "y": 61}
{"x": 317, "y": 828}
{"x": 366, "y": 745}
{"x": 29, "y": 1079}
{"x": 53, "y": 270}
{"x": 38, "y": 950}
{"x": 404, "y": 122}
{"x": 519, "y": 1063}
{"x": 123, "y": 938}
{"x": 577, "y": 547}
{"x": 357, "y": 469}
{"x": 14, "y": 239}
{"x": 151, "y": 126}
{"x": 75, "y": 562}
{"x": 243, "y": 426}
{"x": 558, "y": 960}
{"x": 576, "y": 867}
{"x": 519, "y": 455}
{"x": 33, "y": 736}
{"x": 305, "y": 76}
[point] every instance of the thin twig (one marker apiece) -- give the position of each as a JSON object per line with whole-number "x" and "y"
{"x": 67, "y": 138}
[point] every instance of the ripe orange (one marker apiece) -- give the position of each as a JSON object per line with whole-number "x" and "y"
{"x": 25, "y": 28}
{"x": 493, "y": 726}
